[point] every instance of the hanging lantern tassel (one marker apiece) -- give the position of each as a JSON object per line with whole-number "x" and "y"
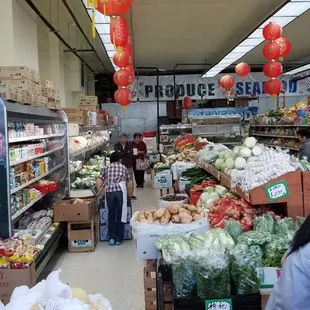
{"x": 93, "y": 25}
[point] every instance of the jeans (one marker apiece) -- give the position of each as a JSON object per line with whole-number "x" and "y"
{"x": 115, "y": 206}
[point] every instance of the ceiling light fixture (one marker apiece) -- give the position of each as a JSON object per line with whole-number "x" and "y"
{"x": 283, "y": 17}
{"x": 102, "y": 24}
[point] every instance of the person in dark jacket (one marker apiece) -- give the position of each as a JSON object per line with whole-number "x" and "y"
{"x": 140, "y": 151}
{"x": 303, "y": 135}
{"x": 125, "y": 148}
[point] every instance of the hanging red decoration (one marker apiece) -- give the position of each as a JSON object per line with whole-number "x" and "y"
{"x": 285, "y": 47}
{"x": 273, "y": 87}
{"x": 131, "y": 69}
{"x": 122, "y": 59}
{"x": 272, "y": 50}
{"x": 119, "y": 31}
{"x": 128, "y": 46}
{"x": 122, "y": 77}
{"x": 242, "y": 69}
{"x": 114, "y": 7}
{"x": 123, "y": 96}
{"x": 272, "y": 31}
{"x": 273, "y": 69}
{"x": 227, "y": 82}
{"x": 188, "y": 103}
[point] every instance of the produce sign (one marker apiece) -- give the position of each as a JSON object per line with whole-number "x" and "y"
{"x": 277, "y": 190}
{"x": 219, "y": 304}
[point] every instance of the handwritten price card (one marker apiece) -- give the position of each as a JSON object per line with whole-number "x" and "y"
{"x": 220, "y": 304}
{"x": 277, "y": 190}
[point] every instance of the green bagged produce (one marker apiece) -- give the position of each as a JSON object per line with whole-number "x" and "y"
{"x": 264, "y": 223}
{"x": 196, "y": 240}
{"x": 184, "y": 278}
{"x": 283, "y": 225}
{"x": 254, "y": 237}
{"x": 274, "y": 250}
{"x": 234, "y": 229}
{"x": 244, "y": 262}
{"x": 299, "y": 221}
{"x": 225, "y": 239}
{"x": 213, "y": 275}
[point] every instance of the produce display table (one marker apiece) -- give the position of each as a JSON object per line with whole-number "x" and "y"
{"x": 293, "y": 199}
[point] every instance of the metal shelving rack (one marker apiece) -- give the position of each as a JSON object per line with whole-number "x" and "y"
{"x": 10, "y": 112}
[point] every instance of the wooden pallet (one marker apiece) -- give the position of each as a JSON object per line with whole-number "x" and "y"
{"x": 150, "y": 292}
{"x": 83, "y": 232}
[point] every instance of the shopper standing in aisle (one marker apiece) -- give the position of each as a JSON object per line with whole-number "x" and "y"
{"x": 291, "y": 292}
{"x": 126, "y": 150}
{"x": 139, "y": 152}
{"x": 115, "y": 178}
{"x": 303, "y": 136}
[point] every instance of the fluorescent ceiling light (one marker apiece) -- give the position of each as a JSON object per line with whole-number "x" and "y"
{"x": 102, "y": 24}
{"x": 283, "y": 16}
{"x": 297, "y": 70}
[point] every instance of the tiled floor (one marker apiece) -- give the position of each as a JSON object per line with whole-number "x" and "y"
{"x": 114, "y": 272}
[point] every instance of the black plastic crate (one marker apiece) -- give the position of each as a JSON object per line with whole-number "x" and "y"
{"x": 246, "y": 302}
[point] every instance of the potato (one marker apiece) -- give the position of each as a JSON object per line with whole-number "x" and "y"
{"x": 191, "y": 208}
{"x": 183, "y": 210}
{"x": 175, "y": 218}
{"x": 202, "y": 214}
{"x": 166, "y": 218}
{"x": 159, "y": 213}
{"x": 199, "y": 209}
{"x": 197, "y": 217}
{"x": 141, "y": 216}
{"x": 185, "y": 218}
{"x": 174, "y": 208}
{"x": 199, "y": 204}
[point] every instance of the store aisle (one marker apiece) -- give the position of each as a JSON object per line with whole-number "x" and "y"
{"x": 114, "y": 272}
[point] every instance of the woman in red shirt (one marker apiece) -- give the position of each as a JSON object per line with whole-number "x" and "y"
{"x": 139, "y": 152}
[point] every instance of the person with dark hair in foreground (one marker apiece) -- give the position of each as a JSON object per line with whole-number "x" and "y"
{"x": 303, "y": 135}
{"x": 139, "y": 152}
{"x": 116, "y": 179}
{"x": 292, "y": 290}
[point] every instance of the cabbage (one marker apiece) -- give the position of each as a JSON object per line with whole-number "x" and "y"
{"x": 209, "y": 189}
{"x": 223, "y": 167}
{"x": 222, "y": 155}
{"x": 228, "y": 154}
{"x": 214, "y": 196}
{"x": 218, "y": 163}
{"x": 240, "y": 163}
{"x": 249, "y": 142}
{"x": 230, "y": 164}
{"x": 221, "y": 190}
{"x": 204, "y": 197}
{"x": 245, "y": 152}
{"x": 236, "y": 150}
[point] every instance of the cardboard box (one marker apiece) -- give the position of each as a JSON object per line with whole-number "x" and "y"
{"x": 25, "y": 84}
{"x": 23, "y": 96}
{"x": 89, "y": 107}
{"x": 75, "y": 112}
{"x": 8, "y": 91}
{"x": 12, "y": 278}
{"x": 19, "y": 72}
{"x": 66, "y": 211}
{"x": 154, "y": 158}
{"x": 269, "y": 276}
{"x": 78, "y": 120}
{"x": 182, "y": 183}
{"x": 47, "y": 84}
{"x": 162, "y": 180}
{"x": 92, "y": 100}
{"x": 48, "y": 92}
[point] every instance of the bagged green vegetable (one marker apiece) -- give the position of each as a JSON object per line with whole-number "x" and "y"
{"x": 274, "y": 250}
{"x": 254, "y": 237}
{"x": 284, "y": 225}
{"x": 244, "y": 262}
{"x": 234, "y": 229}
{"x": 264, "y": 223}
{"x": 225, "y": 239}
{"x": 184, "y": 278}
{"x": 299, "y": 221}
{"x": 195, "y": 240}
{"x": 213, "y": 275}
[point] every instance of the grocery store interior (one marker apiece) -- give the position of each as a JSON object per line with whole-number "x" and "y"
{"x": 154, "y": 154}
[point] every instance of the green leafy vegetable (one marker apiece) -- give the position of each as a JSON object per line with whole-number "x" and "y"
{"x": 234, "y": 229}
{"x": 254, "y": 237}
{"x": 282, "y": 226}
{"x": 264, "y": 223}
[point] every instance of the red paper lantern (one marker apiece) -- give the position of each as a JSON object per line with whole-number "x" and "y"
{"x": 128, "y": 46}
{"x": 114, "y": 7}
{"x": 272, "y": 31}
{"x": 273, "y": 69}
{"x": 273, "y": 87}
{"x": 242, "y": 69}
{"x": 227, "y": 82}
{"x": 272, "y": 50}
{"x": 285, "y": 47}
{"x": 123, "y": 96}
{"x": 131, "y": 69}
{"x": 122, "y": 77}
{"x": 119, "y": 31}
{"x": 188, "y": 103}
{"x": 122, "y": 59}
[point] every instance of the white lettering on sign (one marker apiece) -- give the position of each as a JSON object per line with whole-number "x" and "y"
{"x": 277, "y": 191}
{"x": 219, "y": 305}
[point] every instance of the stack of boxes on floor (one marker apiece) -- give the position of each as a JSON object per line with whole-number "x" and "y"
{"x": 86, "y": 113}
{"x": 23, "y": 85}
{"x": 104, "y": 215}
{"x": 83, "y": 223}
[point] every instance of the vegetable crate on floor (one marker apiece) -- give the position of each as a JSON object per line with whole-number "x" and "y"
{"x": 83, "y": 236}
{"x": 151, "y": 292}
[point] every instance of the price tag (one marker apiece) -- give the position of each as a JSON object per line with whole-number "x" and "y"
{"x": 219, "y": 304}
{"x": 277, "y": 190}
{"x": 52, "y": 228}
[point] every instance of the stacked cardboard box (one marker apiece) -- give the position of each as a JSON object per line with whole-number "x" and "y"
{"x": 77, "y": 115}
{"x": 89, "y": 103}
{"x": 51, "y": 95}
{"x": 26, "y": 81}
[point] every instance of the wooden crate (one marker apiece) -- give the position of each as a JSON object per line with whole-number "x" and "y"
{"x": 150, "y": 293}
{"x": 306, "y": 192}
{"x": 83, "y": 236}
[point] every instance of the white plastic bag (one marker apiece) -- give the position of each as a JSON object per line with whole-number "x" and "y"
{"x": 165, "y": 204}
